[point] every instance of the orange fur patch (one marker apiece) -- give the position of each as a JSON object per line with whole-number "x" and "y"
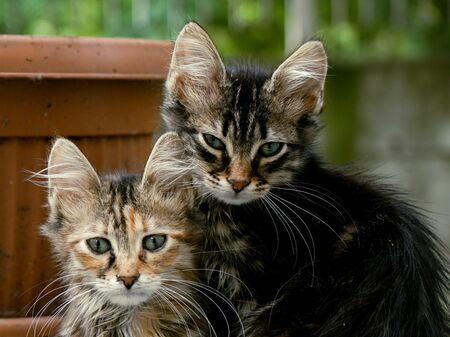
{"x": 179, "y": 237}
{"x": 156, "y": 263}
{"x": 89, "y": 262}
{"x": 131, "y": 218}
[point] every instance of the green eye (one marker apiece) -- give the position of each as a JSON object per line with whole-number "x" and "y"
{"x": 213, "y": 141}
{"x": 99, "y": 245}
{"x": 270, "y": 149}
{"x": 154, "y": 242}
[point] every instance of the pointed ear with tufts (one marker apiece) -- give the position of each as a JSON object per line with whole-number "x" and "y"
{"x": 196, "y": 71}
{"x": 297, "y": 84}
{"x": 168, "y": 170}
{"x": 72, "y": 181}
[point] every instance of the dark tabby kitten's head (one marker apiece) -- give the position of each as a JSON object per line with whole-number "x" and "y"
{"x": 124, "y": 242}
{"x": 247, "y": 130}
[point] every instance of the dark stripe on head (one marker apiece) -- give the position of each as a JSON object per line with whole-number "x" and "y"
{"x": 111, "y": 261}
{"x": 112, "y": 202}
{"x": 228, "y": 120}
{"x": 56, "y": 223}
{"x": 263, "y": 128}
{"x": 121, "y": 192}
{"x": 306, "y": 122}
{"x": 177, "y": 113}
{"x": 280, "y": 162}
{"x": 244, "y": 103}
{"x": 225, "y": 162}
{"x": 204, "y": 153}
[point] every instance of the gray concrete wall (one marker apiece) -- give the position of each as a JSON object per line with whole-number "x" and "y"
{"x": 394, "y": 120}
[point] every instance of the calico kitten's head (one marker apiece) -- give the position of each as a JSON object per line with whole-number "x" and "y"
{"x": 122, "y": 238}
{"x": 247, "y": 129}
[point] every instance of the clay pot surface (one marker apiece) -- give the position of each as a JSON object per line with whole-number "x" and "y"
{"x": 102, "y": 93}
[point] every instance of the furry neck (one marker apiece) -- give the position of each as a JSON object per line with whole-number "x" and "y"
{"x": 89, "y": 316}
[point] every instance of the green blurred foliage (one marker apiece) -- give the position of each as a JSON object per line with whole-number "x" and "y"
{"x": 240, "y": 28}
{"x": 370, "y": 29}
{"x": 420, "y": 30}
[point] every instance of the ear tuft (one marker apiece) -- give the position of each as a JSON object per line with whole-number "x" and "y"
{"x": 71, "y": 178}
{"x": 167, "y": 165}
{"x": 299, "y": 81}
{"x": 68, "y": 168}
{"x": 196, "y": 70}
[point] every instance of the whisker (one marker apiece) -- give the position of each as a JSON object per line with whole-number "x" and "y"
{"x": 313, "y": 253}
{"x": 200, "y": 287}
{"x": 316, "y": 217}
{"x": 197, "y": 306}
{"x": 286, "y": 225}
{"x": 184, "y": 304}
{"x": 313, "y": 193}
{"x": 219, "y": 271}
{"x": 175, "y": 311}
{"x": 277, "y": 235}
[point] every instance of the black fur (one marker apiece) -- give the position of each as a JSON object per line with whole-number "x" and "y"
{"x": 390, "y": 279}
{"x": 334, "y": 254}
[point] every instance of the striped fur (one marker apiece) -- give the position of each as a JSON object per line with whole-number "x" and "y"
{"x": 245, "y": 108}
{"x": 124, "y": 209}
{"x": 244, "y": 113}
{"x": 300, "y": 248}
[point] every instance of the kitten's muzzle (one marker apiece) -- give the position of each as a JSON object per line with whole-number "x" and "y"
{"x": 128, "y": 281}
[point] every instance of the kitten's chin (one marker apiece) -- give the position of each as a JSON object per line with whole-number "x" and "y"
{"x": 128, "y": 298}
{"x": 235, "y": 199}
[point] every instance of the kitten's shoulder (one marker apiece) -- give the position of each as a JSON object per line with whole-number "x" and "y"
{"x": 367, "y": 198}
{"x": 384, "y": 215}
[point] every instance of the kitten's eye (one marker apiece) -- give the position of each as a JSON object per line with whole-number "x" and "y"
{"x": 99, "y": 245}
{"x": 270, "y": 149}
{"x": 154, "y": 242}
{"x": 213, "y": 141}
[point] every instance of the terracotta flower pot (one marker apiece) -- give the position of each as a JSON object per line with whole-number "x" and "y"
{"x": 102, "y": 93}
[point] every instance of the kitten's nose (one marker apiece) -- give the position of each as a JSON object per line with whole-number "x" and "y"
{"x": 238, "y": 185}
{"x": 128, "y": 281}
{"x": 239, "y": 174}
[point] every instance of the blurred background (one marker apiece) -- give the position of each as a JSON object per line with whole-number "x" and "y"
{"x": 388, "y": 89}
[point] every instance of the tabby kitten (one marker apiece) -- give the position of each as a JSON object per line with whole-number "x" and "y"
{"x": 125, "y": 246}
{"x": 300, "y": 248}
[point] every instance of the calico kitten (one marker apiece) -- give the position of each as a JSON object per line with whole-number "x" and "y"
{"x": 125, "y": 246}
{"x": 301, "y": 249}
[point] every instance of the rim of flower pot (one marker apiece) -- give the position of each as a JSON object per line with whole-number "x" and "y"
{"x": 54, "y": 57}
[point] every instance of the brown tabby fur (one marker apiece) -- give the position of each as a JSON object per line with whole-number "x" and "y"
{"x": 124, "y": 209}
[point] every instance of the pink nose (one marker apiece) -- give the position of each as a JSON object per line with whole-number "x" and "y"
{"x": 238, "y": 185}
{"x": 128, "y": 281}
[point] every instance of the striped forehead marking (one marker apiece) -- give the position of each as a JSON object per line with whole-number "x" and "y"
{"x": 237, "y": 113}
{"x": 243, "y": 116}
{"x": 251, "y": 117}
{"x": 121, "y": 195}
